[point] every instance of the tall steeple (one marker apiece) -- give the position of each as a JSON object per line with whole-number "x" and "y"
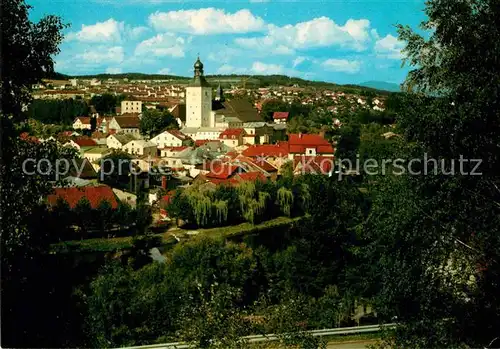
{"x": 198, "y": 99}
{"x": 219, "y": 94}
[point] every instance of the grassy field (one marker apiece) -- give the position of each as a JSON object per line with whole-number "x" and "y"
{"x": 168, "y": 239}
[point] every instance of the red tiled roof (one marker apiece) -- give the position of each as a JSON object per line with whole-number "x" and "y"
{"x": 279, "y": 115}
{"x": 200, "y": 142}
{"x": 128, "y": 121}
{"x": 179, "y": 148}
{"x": 98, "y": 135}
{"x": 85, "y": 142}
{"x": 94, "y": 194}
{"x": 251, "y": 176}
{"x": 83, "y": 119}
{"x": 263, "y": 164}
{"x": 26, "y": 137}
{"x": 299, "y": 143}
{"x": 221, "y": 171}
{"x": 178, "y": 134}
{"x": 231, "y": 133}
{"x": 280, "y": 149}
{"x": 314, "y": 164}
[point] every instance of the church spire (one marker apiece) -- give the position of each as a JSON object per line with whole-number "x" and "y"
{"x": 198, "y": 67}
{"x": 199, "y": 79}
{"x": 219, "y": 94}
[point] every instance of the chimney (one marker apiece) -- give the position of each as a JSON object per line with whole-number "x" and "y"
{"x": 164, "y": 182}
{"x": 322, "y": 133}
{"x": 300, "y": 135}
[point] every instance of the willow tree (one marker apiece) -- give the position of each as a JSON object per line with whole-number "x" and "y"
{"x": 221, "y": 211}
{"x": 285, "y": 200}
{"x": 253, "y": 203}
{"x": 305, "y": 196}
{"x": 201, "y": 206}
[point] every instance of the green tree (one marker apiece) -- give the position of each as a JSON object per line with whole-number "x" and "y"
{"x": 127, "y": 307}
{"x": 83, "y": 210}
{"x": 30, "y": 47}
{"x": 216, "y": 322}
{"x": 434, "y": 241}
{"x": 105, "y": 103}
{"x": 271, "y": 106}
{"x": 105, "y": 211}
{"x": 154, "y": 122}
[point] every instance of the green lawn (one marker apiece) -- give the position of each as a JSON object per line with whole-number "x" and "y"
{"x": 120, "y": 243}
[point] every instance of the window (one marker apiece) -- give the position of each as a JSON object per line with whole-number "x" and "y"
{"x": 310, "y": 151}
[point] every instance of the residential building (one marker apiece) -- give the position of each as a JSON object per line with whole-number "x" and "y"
{"x": 94, "y": 155}
{"x": 170, "y": 138}
{"x": 118, "y": 140}
{"x": 232, "y": 137}
{"x": 129, "y": 106}
{"x": 309, "y": 145}
{"x": 126, "y": 123}
{"x": 280, "y": 117}
{"x": 82, "y": 123}
{"x": 94, "y": 194}
{"x": 81, "y": 143}
{"x": 140, "y": 147}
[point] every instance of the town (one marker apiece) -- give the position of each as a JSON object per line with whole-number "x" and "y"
{"x": 250, "y": 174}
{"x": 212, "y": 136}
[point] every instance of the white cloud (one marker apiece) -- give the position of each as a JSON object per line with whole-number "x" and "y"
{"x": 102, "y": 55}
{"x": 164, "y": 71}
{"x": 318, "y": 32}
{"x": 297, "y": 61}
{"x": 341, "y": 65}
{"x": 206, "y": 21}
{"x": 136, "y": 32}
{"x": 107, "y": 31}
{"x": 113, "y": 70}
{"x": 263, "y": 68}
{"x": 389, "y": 47}
{"x": 166, "y": 44}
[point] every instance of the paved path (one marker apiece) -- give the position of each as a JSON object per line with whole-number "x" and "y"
{"x": 350, "y": 345}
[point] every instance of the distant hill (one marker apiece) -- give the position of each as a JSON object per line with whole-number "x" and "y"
{"x": 132, "y": 76}
{"x": 250, "y": 81}
{"x": 382, "y": 85}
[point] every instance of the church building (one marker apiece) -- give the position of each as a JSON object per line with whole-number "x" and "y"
{"x": 200, "y": 121}
{"x": 207, "y": 118}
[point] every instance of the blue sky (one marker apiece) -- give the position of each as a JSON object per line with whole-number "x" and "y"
{"x": 342, "y": 41}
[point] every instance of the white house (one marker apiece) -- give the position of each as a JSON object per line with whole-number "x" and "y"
{"x": 117, "y": 141}
{"x": 128, "y": 123}
{"x": 232, "y": 137}
{"x": 128, "y": 107}
{"x": 140, "y": 147}
{"x": 170, "y": 138}
{"x": 81, "y": 123}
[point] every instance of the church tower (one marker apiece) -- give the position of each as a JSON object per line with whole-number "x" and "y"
{"x": 198, "y": 99}
{"x": 219, "y": 94}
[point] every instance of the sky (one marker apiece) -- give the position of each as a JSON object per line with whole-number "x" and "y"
{"x": 341, "y": 41}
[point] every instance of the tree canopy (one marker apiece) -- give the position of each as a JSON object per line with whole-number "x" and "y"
{"x": 153, "y": 122}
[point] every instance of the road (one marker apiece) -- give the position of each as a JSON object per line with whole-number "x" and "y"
{"x": 350, "y": 345}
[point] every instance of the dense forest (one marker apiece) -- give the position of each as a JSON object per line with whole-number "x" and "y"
{"x": 420, "y": 246}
